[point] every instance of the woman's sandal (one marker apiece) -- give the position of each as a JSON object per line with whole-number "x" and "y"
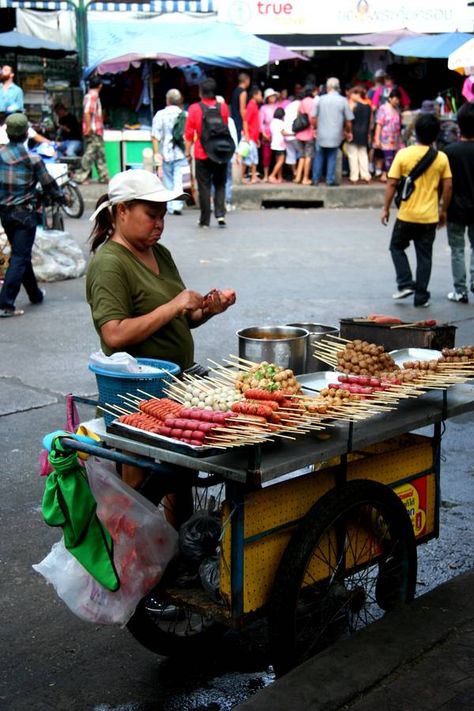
{"x": 7, "y": 313}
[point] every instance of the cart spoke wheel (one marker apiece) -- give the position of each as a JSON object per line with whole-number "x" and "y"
{"x": 164, "y": 626}
{"x": 352, "y": 558}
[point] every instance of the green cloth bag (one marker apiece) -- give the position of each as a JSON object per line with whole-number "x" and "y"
{"x": 68, "y": 502}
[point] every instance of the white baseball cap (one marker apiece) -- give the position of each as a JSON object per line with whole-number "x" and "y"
{"x": 136, "y": 184}
{"x": 269, "y": 92}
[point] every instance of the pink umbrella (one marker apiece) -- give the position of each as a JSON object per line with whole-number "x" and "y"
{"x": 122, "y": 63}
{"x": 279, "y": 53}
{"x": 381, "y": 39}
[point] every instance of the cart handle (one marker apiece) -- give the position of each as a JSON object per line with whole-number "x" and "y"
{"x": 81, "y": 443}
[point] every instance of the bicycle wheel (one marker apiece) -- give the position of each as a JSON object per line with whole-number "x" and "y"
{"x": 75, "y": 201}
{"x": 352, "y": 557}
{"x": 165, "y": 627}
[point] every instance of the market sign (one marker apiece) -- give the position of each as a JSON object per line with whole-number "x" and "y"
{"x": 346, "y": 16}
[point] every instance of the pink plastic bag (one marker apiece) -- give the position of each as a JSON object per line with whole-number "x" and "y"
{"x": 72, "y": 423}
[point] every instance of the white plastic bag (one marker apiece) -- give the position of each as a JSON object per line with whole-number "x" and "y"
{"x": 81, "y": 593}
{"x": 144, "y": 543}
{"x": 56, "y": 256}
{"x": 121, "y": 362}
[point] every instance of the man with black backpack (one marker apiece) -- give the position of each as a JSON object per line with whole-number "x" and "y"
{"x": 206, "y": 127}
{"x": 424, "y": 176}
{"x": 167, "y": 135}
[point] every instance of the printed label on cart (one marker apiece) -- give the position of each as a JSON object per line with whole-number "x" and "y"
{"x": 414, "y": 497}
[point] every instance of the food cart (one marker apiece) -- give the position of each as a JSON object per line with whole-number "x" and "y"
{"x": 319, "y": 532}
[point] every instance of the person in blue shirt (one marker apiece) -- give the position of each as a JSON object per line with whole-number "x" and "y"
{"x": 20, "y": 172}
{"x": 11, "y": 95}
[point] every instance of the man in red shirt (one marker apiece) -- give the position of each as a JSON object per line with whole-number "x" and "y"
{"x": 93, "y": 132}
{"x": 252, "y": 130}
{"x": 208, "y": 172}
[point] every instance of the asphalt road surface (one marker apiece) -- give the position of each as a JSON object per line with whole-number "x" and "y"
{"x": 287, "y": 266}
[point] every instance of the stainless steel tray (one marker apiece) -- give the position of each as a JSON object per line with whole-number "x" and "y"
{"x": 411, "y": 354}
{"x": 174, "y": 445}
{"x": 316, "y": 381}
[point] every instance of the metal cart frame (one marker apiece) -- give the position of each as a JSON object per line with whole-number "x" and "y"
{"x": 246, "y": 471}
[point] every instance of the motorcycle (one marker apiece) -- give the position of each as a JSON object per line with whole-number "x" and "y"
{"x": 74, "y": 203}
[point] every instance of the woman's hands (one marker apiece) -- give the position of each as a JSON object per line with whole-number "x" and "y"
{"x": 120, "y": 334}
{"x": 215, "y": 302}
{"x": 218, "y": 301}
{"x": 187, "y": 300}
{"x": 203, "y": 307}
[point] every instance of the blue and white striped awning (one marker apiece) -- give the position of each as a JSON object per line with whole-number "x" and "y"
{"x": 151, "y": 6}
{"x": 35, "y": 4}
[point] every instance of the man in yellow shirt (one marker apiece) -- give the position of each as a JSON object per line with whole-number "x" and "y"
{"x": 418, "y": 216}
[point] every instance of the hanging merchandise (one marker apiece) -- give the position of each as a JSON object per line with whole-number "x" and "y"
{"x": 194, "y": 74}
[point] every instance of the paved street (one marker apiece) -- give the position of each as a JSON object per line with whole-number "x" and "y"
{"x": 287, "y": 266}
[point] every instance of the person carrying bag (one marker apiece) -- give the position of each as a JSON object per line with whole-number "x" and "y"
{"x": 406, "y": 185}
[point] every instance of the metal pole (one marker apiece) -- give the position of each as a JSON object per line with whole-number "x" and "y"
{"x": 80, "y": 12}
{"x": 81, "y": 31}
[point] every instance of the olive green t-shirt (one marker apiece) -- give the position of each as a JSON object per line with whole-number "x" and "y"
{"x": 120, "y": 286}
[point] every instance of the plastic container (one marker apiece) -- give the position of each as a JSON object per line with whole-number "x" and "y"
{"x": 317, "y": 331}
{"x": 283, "y": 345}
{"x": 112, "y": 384}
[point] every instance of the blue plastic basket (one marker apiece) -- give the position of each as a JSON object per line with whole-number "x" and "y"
{"x": 111, "y": 384}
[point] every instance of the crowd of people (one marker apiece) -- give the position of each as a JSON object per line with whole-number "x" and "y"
{"x": 257, "y": 137}
{"x": 298, "y": 136}
{"x": 279, "y": 137}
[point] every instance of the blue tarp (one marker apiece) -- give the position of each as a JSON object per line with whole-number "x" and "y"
{"x": 431, "y": 46}
{"x": 208, "y": 42}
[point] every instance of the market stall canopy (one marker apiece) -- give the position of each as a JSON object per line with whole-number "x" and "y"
{"x": 113, "y": 43}
{"x": 19, "y": 43}
{"x": 430, "y": 46}
{"x": 462, "y": 59}
{"x": 381, "y": 39}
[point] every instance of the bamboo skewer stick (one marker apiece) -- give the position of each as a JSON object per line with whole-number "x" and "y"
{"x": 321, "y": 349}
{"x": 245, "y": 368}
{"x": 119, "y": 409}
{"x": 173, "y": 377}
{"x": 104, "y": 409}
{"x": 227, "y": 378}
{"x": 331, "y": 347}
{"x": 250, "y": 363}
{"x": 130, "y": 403}
{"x": 337, "y": 338}
{"x": 152, "y": 397}
{"x": 325, "y": 358}
{"x": 132, "y": 397}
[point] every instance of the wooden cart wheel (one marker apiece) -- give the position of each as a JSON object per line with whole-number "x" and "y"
{"x": 352, "y": 557}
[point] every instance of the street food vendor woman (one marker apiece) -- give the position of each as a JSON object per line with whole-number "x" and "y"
{"x": 138, "y": 300}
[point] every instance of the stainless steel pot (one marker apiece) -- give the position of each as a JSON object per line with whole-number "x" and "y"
{"x": 317, "y": 331}
{"x": 283, "y": 345}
